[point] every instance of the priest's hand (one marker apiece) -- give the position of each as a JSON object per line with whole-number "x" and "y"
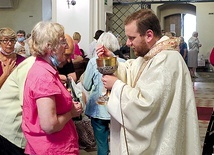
{"x": 108, "y": 81}
{"x": 102, "y": 51}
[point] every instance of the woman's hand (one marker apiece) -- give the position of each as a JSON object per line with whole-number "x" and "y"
{"x": 49, "y": 120}
{"x": 8, "y": 67}
{"x": 76, "y": 110}
{"x": 63, "y": 78}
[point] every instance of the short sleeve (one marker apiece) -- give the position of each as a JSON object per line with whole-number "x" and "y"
{"x": 44, "y": 87}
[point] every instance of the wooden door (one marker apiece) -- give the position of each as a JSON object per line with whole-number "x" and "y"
{"x": 173, "y": 23}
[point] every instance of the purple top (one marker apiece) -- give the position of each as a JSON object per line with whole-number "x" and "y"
{"x": 18, "y": 61}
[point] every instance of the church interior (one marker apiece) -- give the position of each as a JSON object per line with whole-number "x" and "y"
{"x": 87, "y": 16}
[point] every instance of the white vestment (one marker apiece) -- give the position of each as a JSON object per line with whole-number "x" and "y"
{"x": 158, "y": 109}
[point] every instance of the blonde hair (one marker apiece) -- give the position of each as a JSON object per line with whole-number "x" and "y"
{"x": 109, "y": 40}
{"x": 43, "y": 34}
{"x": 77, "y": 36}
{"x": 7, "y": 32}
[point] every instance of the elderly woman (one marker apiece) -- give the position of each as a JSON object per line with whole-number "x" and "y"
{"x": 99, "y": 115}
{"x": 8, "y": 58}
{"x": 66, "y": 68}
{"x": 47, "y": 105}
{"x": 194, "y": 46}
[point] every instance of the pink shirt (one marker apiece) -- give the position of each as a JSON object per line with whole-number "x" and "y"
{"x": 42, "y": 81}
{"x": 77, "y": 51}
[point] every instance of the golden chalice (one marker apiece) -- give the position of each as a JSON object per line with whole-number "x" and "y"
{"x": 106, "y": 66}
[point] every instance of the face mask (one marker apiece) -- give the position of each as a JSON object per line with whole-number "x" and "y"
{"x": 5, "y": 53}
{"x": 54, "y": 60}
{"x": 21, "y": 39}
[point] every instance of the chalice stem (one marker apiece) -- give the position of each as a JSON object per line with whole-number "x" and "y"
{"x": 107, "y": 93}
{"x": 106, "y": 66}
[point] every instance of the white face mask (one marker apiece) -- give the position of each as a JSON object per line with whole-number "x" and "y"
{"x": 5, "y": 53}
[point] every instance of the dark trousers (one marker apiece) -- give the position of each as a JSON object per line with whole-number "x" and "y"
{"x": 8, "y": 148}
{"x": 208, "y": 147}
{"x": 101, "y": 134}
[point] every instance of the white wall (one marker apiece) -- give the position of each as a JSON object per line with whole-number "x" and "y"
{"x": 89, "y": 15}
{"x": 86, "y": 17}
{"x": 75, "y": 18}
{"x": 46, "y": 10}
{"x": 24, "y": 16}
{"x": 205, "y": 27}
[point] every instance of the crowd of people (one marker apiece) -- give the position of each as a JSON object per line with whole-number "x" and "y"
{"x": 151, "y": 108}
{"x": 189, "y": 51}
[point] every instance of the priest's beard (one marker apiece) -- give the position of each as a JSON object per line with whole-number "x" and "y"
{"x": 142, "y": 49}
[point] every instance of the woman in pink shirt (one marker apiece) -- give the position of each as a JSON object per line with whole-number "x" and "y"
{"x": 48, "y": 106}
{"x": 77, "y": 54}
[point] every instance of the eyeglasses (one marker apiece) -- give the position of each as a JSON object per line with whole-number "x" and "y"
{"x": 63, "y": 42}
{"x": 6, "y": 41}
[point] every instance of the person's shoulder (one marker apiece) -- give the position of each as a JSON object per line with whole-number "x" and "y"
{"x": 17, "y": 44}
{"x": 174, "y": 55}
{"x": 42, "y": 71}
{"x": 27, "y": 60}
{"x": 121, "y": 59}
{"x": 168, "y": 59}
{"x": 165, "y": 54}
{"x": 92, "y": 60}
{"x": 20, "y": 58}
{"x": 27, "y": 63}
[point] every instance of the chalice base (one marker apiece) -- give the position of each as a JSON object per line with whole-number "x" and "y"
{"x": 102, "y": 100}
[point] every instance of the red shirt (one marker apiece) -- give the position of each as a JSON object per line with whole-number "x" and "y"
{"x": 212, "y": 57}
